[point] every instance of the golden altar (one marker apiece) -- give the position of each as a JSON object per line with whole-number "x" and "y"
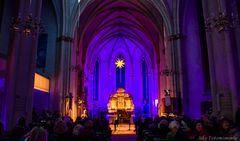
{"x": 120, "y": 101}
{"x": 120, "y": 105}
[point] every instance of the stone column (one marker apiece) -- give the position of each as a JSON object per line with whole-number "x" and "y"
{"x": 63, "y": 74}
{"x": 175, "y": 71}
{"x": 162, "y": 64}
{"x": 74, "y": 70}
{"x": 21, "y": 64}
{"x": 221, "y": 56}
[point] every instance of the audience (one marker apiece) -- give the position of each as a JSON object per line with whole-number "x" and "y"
{"x": 36, "y": 134}
{"x": 175, "y": 132}
{"x": 181, "y": 128}
{"x": 51, "y": 126}
{"x": 237, "y": 117}
{"x": 77, "y": 134}
{"x": 201, "y": 131}
{"x": 227, "y": 129}
{"x": 1, "y": 131}
{"x": 20, "y": 129}
{"x": 163, "y": 128}
{"x": 59, "y": 131}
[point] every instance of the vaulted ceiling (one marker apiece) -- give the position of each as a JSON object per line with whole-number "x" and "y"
{"x": 107, "y": 21}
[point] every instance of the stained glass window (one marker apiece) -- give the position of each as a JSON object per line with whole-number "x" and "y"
{"x": 96, "y": 81}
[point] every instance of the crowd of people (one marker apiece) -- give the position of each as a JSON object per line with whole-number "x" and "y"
{"x": 49, "y": 126}
{"x": 181, "y": 128}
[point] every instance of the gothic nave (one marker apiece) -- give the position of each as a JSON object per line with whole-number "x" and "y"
{"x": 119, "y": 59}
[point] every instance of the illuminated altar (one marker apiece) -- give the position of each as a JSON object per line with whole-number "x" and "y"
{"x": 120, "y": 101}
{"x": 120, "y": 105}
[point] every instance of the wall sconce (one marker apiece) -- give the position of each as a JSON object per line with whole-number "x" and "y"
{"x": 27, "y": 26}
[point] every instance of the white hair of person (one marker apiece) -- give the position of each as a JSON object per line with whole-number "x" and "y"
{"x": 174, "y": 124}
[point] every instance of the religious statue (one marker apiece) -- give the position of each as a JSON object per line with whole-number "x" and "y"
{"x": 84, "y": 114}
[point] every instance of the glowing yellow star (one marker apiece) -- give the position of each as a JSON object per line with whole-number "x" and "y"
{"x": 120, "y": 63}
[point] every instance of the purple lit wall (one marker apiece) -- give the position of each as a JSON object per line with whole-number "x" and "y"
{"x": 2, "y": 85}
{"x": 133, "y": 55}
{"x": 40, "y": 100}
{"x": 125, "y": 30}
{"x": 193, "y": 79}
{"x": 2, "y": 81}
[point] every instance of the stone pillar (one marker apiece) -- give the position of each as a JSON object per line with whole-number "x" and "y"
{"x": 63, "y": 74}
{"x": 221, "y": 57}
{"x": 162, "y": 64}
{"x": 21, "y": 64}
{"x": 175, "y": 71}
{"x": 75, "y": 68}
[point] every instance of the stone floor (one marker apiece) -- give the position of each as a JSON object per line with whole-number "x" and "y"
{"x": 123, "y": 133}
{"x": 123, "y": 129}
{"x": 124, "y": 137}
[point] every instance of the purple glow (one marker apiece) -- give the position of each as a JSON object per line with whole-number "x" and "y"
{"x": 2, "y": 83}
{"x": 133, "y": 54}
{"x": 121, "y": 33}
{"x": 40, "y": 100}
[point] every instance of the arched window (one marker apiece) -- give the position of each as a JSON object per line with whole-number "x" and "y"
{"x": 120, "y": 73}
{"x": 96, "y": 81}
{"x": 42, "y": 51}
{"x": 145, "y": 82}
{"x": 145, "y": 88}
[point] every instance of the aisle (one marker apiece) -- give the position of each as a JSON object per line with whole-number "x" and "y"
{"x": 123, "y": 133}
{"x": 124, "y": 137}
{"x": 123, "y": 129}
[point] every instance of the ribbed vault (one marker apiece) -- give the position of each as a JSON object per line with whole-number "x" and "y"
{"x": 131, "y": 21}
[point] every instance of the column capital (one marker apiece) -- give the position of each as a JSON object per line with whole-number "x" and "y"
{"x": 63, "y": 38}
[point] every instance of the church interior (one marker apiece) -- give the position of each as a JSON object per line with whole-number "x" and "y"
{"x": 120, "y": 60}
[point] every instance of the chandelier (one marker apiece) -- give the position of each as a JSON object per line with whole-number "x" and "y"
{"x": 28, "y": 25}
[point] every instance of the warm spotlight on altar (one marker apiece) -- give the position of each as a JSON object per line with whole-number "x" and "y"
{"x": 120, "y": 112}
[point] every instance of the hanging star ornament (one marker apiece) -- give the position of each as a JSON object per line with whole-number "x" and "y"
{"x": 120, "y": 63}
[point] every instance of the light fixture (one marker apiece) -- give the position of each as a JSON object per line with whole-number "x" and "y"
{"x": 120, "y": 63}
{"x": 28, "y": 25}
